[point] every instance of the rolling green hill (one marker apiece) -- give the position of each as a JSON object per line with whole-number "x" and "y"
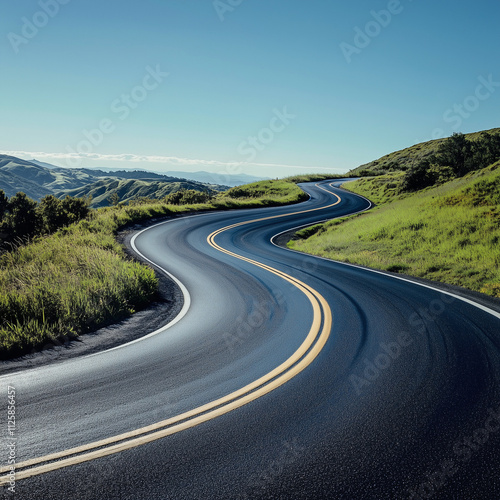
{"x": 38, "y": 180}
{"x": 130, "y": 189}
{"x": 439, "y": 162}
{"x": 449, "y": 233}
{"x": 406, "y": 158}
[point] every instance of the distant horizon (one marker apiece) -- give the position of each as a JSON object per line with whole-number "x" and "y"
{"x": 163, "y": 165}
{"x": 263, "y": 88}
{"x": 155, "y": 164}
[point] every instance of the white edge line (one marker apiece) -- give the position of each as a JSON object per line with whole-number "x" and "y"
{"x": 184, "y": 290}
{"x": 463, "y": 299}
{"x": 182, "y": 312}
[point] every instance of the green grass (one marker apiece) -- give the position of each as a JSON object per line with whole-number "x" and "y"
{"x": 406, "y": 158}
{"x": 80, "y": 278}
{"x": 379, "y": 190}
{"x": 262, "y": 193}
{"x": 312, "y": 177}
{"x": 449, "y": 233}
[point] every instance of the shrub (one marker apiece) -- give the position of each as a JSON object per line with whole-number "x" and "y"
{"x": 23, "y": 219}
{"x": 187, "y": 197}
{"x": 418, "y": 177}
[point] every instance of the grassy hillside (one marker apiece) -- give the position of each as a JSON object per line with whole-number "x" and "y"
{"x": 406, "y": 158}
{"x": 297, "y": 179}
{"x": 266, "y": 192}
{"x": 449, "y": 233}
{"x": 12, "y": 184}
{"x": 79, "y": 278}
{"x": 453, "y": 158}
{"x": 379, "y": 190}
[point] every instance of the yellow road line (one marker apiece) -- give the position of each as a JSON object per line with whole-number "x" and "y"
{"x": 300, "y": 359}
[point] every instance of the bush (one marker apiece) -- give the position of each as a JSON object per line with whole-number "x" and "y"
{"x": 4, "y": 203}
{"x": 455, "y": 157}
{"x": 456, "y": 152}
{"x": 187, "y": 197}
{"x": 23, "y": 219}
{"x": 418, "y": 177}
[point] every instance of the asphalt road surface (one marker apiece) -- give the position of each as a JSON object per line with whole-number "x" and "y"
{"x": 285, "y": 377}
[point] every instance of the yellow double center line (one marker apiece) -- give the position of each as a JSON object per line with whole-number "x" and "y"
{"x": 303, "y": 357}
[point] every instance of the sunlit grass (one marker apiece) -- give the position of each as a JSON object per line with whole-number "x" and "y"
{"x": 80, "y": 278}
{"x": 450, "y": 233}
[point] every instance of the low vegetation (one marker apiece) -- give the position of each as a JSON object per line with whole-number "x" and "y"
{"x": 312, "y": 178}
{"x": 401, "y": 161}
{"x": 449, "y": 233}
{"x": 22, "y": 218}
{"x": 79, "y": 278}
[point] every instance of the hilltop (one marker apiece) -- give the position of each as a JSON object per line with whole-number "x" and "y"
{"x": 403, "y": 160}
{"x": 437, "y": 219}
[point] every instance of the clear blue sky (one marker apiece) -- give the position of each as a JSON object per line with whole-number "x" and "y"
{"x": 265, "y": 87}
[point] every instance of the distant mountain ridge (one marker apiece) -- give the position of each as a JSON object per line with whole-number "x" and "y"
{"x": 42, "y": 164}
{"x": 231, "y": 180}
{"x": 38, "y": 179}
{"x": 220, "y": 178}
{"x": 130, "y": 189}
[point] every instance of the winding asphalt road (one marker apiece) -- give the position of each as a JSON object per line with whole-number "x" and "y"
{"x": 287, "y": 376}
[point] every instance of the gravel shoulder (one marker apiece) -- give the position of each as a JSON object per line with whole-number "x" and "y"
{"x": 167, "y": 305}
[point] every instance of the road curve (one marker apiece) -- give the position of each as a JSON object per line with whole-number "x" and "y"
{"x": 288, "y": 376}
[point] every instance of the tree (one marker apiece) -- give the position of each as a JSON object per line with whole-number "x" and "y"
{"x": 75, "y": 209}
{"x": 456, "y": 152}
{"x": 56, "y": 213}
{"x": 52, "y": 213}
{"x": 418, "y": 177}
{"x": 486, "y": 150}
{"x": 114, "y": 199}
{"x": 23, "y": 219}
{"x": 4, "y": 202}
